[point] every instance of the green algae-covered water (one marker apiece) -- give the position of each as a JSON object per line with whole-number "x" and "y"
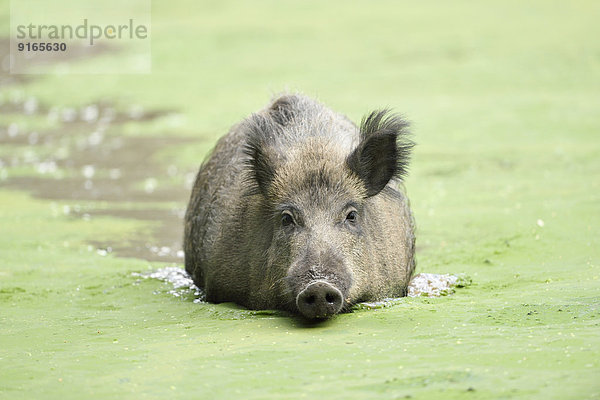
{"x": 95, "y": 171}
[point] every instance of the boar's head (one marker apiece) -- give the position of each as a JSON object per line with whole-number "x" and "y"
{"x": 316, "y": 195}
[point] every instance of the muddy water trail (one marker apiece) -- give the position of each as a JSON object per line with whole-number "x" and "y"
{"x": 83, "y": 158}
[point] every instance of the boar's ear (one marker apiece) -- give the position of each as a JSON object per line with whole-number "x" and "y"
{"x": 383, "y": 152}
{"x": 283, "y": 110}
{"x": 262, "y": 157}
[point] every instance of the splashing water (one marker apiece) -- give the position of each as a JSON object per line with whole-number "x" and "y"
{"x": 432, "y": 285}
{"x": 182, "y": 283}
{"x": 424, "y": 284}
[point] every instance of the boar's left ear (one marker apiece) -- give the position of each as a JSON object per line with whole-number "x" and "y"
{"x": 383, "y": 152}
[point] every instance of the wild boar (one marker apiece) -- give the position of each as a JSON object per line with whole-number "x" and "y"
{"x": 299, "y": 209}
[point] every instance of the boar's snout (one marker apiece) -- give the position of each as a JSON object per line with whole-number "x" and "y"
{"x": 319, "y": 300}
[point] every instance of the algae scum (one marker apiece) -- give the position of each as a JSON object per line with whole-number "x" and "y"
{"x": 95, "y": 172}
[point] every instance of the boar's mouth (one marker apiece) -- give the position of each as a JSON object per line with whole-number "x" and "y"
{"x": 319, "y": 300}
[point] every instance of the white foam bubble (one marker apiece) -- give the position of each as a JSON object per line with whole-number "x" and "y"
{"x": 181, "y": 282}
{"x": 431, "y": 285}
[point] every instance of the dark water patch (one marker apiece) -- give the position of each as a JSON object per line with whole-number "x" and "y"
{"x": 97, "y": 189}
{"x": 118, "y": 169}
{"x": 83, "y": 158}
{"x": 97, "y": 167}
{"x": 161, "y": 242}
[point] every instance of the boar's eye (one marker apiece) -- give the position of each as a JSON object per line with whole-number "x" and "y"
{"x": 287, "y": 219}
{"x": 352, "y": 217}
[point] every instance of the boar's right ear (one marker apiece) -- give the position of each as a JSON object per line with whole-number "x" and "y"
{"x": 262, "y": 157}
{"x": 283, "y": 110}
{"x": 383, "y": 152}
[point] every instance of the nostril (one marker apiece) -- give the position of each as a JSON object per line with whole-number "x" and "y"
{"x": 330, "y": 297}
{"x": 311, "y": 299}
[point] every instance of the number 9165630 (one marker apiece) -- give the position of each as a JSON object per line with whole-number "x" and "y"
{"x": 41, "y": 46}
